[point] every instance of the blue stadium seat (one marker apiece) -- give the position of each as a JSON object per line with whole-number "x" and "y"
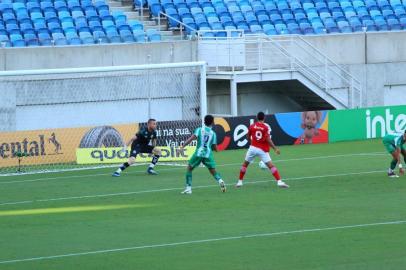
{"x": 45, "y": 39}
{"x": 60, "y": 6}
{"x": 281, "y": 28}
{"x": 191, "y": 25}
{"x": 31, "y": 40}
{"x": 394, "y": 24}
{"x": 12, "y": 28}
{"x": 17, "y": 40}
{"x": 256, "y": 29}
{"x": 139, "y": 36}
{"x": 86, "y": 38}
{"x": 174, "y": 18}
{"x": 136, "y": 25}
{"x": 100, "y": 37}
{"x": 27, "y": 28}
{"x": 155, "y": 7}
{"x": 73, "y": 38}
{"x": 127, "y": 36}
{"x": 101, "y": 5}
{"x": 4, "y": 41}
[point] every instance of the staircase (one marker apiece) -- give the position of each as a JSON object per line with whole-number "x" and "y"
{"x": 280, "y": 58}
{"x": 316, "y": 71}
{"x": 143, "y": 15}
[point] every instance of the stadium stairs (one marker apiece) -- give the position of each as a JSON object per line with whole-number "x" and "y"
{"x": 143, "y": 15}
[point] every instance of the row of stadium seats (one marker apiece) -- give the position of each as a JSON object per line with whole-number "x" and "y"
{"x": 283, "y": 16}
{"x": 72, "y": 38}
{"x": 44, "y": 23}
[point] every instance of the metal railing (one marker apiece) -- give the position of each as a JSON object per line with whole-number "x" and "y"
{"x": 182, "y": 26}
{"x": 286, "y": 53}
{"x": 324, "y": 72}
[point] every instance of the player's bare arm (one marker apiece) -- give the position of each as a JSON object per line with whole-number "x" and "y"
{"x": 273, "y": 146}
{"x": 214, "y": 147}
{"x": 188, "y": 141}
{"x": 131, "y": 140}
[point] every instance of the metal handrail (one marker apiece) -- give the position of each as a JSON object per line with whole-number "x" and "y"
{"x": 330, "y": 62}
{"x": 304, "y": 59}
{"x": 180, "y": 23}
{"x": 325, "y": 58}
{"x": 354, "y": 86}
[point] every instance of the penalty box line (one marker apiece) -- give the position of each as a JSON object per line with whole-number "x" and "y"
{"x": 177, "y": 188}
{"x": 179, "y": 168}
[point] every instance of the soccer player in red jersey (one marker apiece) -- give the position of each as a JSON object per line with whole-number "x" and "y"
{"x": 261, "y": 142}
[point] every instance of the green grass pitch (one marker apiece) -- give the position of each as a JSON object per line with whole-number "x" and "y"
{"x": 341, "y": 212}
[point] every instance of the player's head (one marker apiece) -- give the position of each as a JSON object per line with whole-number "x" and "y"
{"x": 151, "y": 124}
{"x": 261, "y": 116}
{"x": 208, "y": 120}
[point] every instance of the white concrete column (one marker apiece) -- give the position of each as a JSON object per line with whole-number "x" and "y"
{"x": 233, "y": 96}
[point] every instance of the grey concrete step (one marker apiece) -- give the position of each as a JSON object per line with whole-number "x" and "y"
{"x": 162, "y": 28}
{"x": 167, "y": 33}
{"x": 135, "y": 16}
{"x": 122, "y": 8}
{"x": 114, "y": 4}
{"x": 149, "y": 23}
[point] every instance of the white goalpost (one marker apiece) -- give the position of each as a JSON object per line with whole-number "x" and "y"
{"x": 74, "y": 118}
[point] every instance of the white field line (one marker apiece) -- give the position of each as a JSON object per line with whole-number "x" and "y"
{"x": 177, "y": 188}
{"x": 202, "y": 241}
{"x": 179, "y": 168}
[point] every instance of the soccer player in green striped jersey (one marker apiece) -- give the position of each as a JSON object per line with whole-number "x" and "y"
{"x": 395, "y": 145}
{"x": 206, "y": 144}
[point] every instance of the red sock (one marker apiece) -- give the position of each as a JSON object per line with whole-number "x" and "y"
{"x": 275, "y": 173}
{"x": 243, "y": 170}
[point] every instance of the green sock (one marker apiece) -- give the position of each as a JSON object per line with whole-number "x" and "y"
{"x": 189, "y": 178}
{"x": 217, "y": 176}
{"x": 393, "y": 164}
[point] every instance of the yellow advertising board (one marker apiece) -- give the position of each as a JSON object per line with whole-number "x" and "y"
{"x": 117, "y": 155}
{"x": 59, "y": 145}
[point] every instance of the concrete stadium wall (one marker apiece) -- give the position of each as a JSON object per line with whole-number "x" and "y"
{"x": 97, "y": 55}
{"x": 251, "y": 98}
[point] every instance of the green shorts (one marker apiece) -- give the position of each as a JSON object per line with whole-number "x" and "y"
{"x": 390, "y": 148}
{"x": 208, "y": 162}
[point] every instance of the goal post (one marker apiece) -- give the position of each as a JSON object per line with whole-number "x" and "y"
{"x": 47, "y": 115}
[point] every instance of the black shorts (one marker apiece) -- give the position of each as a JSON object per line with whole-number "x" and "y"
{"x": 136, "y": 149}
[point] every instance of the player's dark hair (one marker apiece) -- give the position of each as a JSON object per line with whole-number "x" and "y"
{"x": 261, "y": 116}
{"x": 151, "y": 120}
{"x": 208, "y": 120}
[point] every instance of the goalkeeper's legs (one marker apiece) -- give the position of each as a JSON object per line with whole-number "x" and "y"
{"x": 125, "y": 165}
{"x": 156, "y": 154}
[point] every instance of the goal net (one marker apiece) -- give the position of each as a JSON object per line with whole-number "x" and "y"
{"x": 66, "y": 119}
